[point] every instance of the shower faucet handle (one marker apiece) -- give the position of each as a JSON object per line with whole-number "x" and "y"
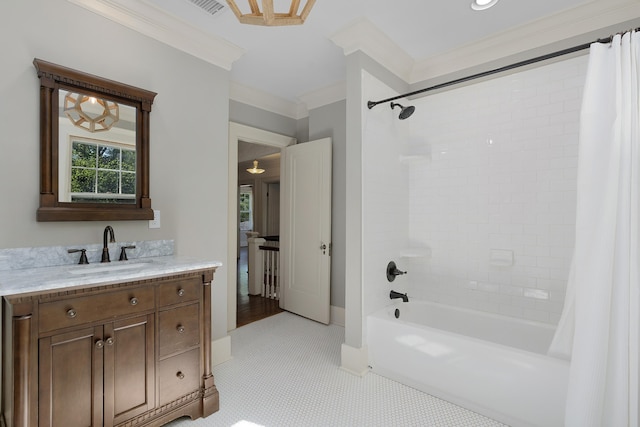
{"x": 392, "y": 271}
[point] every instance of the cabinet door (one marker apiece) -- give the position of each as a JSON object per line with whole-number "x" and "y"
{"x": 70, "y": 379}
{"x": 129, "y": 385}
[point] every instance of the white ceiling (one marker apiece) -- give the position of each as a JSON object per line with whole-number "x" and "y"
{"x": 291, "y": 62}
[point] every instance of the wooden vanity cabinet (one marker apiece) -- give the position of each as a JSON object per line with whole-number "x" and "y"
{"x": 124, "y": 354}
{"x": 112, "y": 370}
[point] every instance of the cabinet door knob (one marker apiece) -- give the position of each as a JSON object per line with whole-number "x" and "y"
{"x": 134, "y": 301}
{"x": 71, "y": 313}
{"x": 99, "y": 344}
{"x": 181, "y": 292}
{"x": 180, "y": 329}
{"x": 180, "y": 375}
{"x": 109, "y": 341}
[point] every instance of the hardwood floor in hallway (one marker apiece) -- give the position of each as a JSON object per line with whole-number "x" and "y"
{"x": 251, "y": 307}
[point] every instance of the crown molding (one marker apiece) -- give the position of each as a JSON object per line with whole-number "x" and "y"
{"x": 151, "y": 21}
{"x": 364, "y": 36}
{"x": 263, "y": 100}
{"x": 555, "y": 30}
{"x": 309, "y": 101}
{"x": 324, "y": 96}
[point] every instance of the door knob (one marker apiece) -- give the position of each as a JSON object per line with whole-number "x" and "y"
{"x": 323, "y": 247}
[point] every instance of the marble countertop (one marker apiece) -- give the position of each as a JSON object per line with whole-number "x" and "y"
{"x": 30, "y": 280}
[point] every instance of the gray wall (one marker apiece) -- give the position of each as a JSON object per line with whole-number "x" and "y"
{"x": 189, "y": 128}
{"x": 262, "y": 119}
{"x": 330, "y": 121}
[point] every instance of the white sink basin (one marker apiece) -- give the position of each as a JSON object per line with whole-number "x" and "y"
{"x": 109, "y": 267}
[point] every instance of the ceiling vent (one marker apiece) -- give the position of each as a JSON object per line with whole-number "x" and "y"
{"x": 210, "y": 6}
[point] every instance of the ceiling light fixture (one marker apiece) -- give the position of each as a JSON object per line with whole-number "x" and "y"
{"x": 268, "y": 16}
{"x": 90, "y": 113}
{"x": 483, "y": 4}
{"x": 255, "y": 168}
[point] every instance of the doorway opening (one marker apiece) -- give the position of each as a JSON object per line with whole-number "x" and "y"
{"x": 258, "y": 216}
{"x": 239, "y": 134}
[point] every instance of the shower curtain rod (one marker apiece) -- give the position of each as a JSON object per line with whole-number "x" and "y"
{"x": 526, "y": 62}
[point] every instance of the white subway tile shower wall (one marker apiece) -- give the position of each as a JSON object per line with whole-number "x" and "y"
{"x": 385, "y": 192}
{"x": 502, "y": 176}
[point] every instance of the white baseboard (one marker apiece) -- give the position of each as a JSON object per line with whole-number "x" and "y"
{"x": 337, "y": 315}
{"x": 354, "y": 360}
{"x": 221, "y": 349}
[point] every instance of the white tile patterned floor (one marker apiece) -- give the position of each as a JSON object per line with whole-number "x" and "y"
{"x": 285, "y": 372}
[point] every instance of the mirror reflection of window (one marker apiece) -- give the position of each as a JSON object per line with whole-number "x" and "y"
{"x": 102, "y": 173}
{"x": 96, "y": 170}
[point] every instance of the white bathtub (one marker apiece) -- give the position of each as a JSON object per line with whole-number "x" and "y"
{"x": 490, "y": 364}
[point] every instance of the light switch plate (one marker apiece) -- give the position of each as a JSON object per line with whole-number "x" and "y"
{"x": 155, "y": 222}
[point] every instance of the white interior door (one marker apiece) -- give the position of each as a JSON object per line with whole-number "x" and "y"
{"x": 305, "y": 238}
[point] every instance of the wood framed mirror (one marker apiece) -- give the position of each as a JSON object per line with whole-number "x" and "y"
{"x": 94, "y": 147}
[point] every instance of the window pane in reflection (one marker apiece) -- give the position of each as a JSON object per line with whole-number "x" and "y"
{"x": 128, "y": 183}
{"x": 108, "y": 182}
{"x": 83, "y": 180}
{"x": 108, "y": 157}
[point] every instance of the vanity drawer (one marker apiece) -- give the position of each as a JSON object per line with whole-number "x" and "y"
{"x": 179, "y": 329}
{"x": 179, "y": 375}
{"x": 81, "y": 310}
{"x": 177, "y": 291}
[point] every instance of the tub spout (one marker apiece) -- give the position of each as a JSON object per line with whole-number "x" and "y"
{"x": 394, "y": 295}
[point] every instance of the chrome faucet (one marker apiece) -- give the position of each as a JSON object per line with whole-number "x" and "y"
{"x": 105, "y": 247}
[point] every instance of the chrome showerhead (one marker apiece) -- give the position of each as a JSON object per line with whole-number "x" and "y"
{"x": 404, "y": 111}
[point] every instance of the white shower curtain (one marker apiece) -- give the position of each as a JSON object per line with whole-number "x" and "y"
{"x": 599, "y": 325}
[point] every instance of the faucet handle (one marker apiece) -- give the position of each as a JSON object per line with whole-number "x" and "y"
{"x": 83, "y": 255}
{"x": 392, "y": 271}
{"x": 123, "y": 252}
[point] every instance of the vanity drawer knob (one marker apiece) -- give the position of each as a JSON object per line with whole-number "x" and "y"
{"x": 134, "y": 301}
{"x": 180, "y": 375}
{"x": 99, "y": 344}
{"x": 109, "y": 341}
{"x": 181, "y": 292}
{"x": 71, "y": 313}
{"x": 180, "y": 329}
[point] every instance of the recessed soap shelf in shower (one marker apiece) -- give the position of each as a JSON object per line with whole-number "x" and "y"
{"x": 414, "y": 159}
{"x": 416, "y": 252}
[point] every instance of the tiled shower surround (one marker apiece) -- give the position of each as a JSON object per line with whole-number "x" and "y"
{"x": 495, "y": 199}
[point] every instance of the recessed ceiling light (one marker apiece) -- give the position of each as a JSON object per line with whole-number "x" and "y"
{"x": 482, "y": 4}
